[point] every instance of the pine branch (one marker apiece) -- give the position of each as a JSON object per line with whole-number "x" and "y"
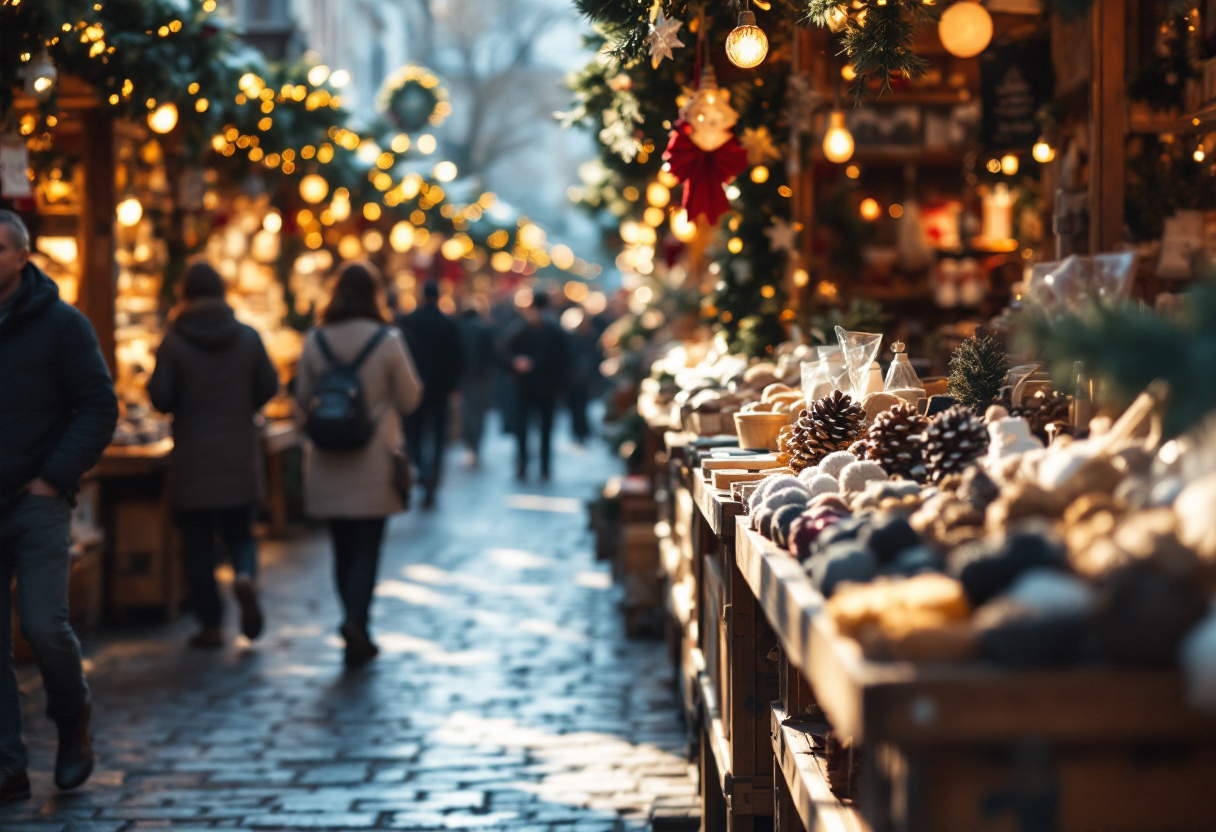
{"x": 878, "y": 40}
{"x": 977, "y": 370}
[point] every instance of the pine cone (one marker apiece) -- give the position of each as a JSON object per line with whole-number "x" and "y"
{"x": 832, "y": 423}
{"x": 954, "y": 439}
{"x": 894, "y": 441}
{"x": 1043, "y": 408}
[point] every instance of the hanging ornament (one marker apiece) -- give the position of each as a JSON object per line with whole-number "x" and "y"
{"x": 747, "y": 44}
{"x": 837, "y": 141}
{"x": 965, "y": 29}
{"x": 759, "y": 144}
{"x": 663, "y": 38}
{"x": 40, "y": 76}
{"x": 782, "y": 235}
{"x": 703, "y": 153}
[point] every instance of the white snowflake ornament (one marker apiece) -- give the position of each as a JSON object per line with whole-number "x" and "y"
{"x": 663, "y": 38}
{"x": 781, "y": 235}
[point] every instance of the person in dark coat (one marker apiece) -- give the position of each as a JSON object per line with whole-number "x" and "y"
{"x": 478, "y": 375}
{"x": 536, "y": 352}
{"x": 434, "y": 341}
{"x": 57, "y": 414}
{"x": 213, "y": 374}
{"x": 584, "y": 381}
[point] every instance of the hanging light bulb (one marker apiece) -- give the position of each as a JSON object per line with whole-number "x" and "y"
{"x": 747, "y": 44}
{"x": 313, "y": 188}
{"x": 129, "y": 212}
{"x": 164, "y": 118}
{"x": 1199, "y": 155}
{"x": 965, "y": 29}
{"x": 40, "y": 77}
{"x": 1042, "y": 151}
{"x": 837, "y": 141}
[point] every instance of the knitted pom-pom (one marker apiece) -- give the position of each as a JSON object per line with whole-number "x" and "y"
{"x": 834, "y": 463}
{"x": 856, "y": 474}
{"x": 823, "y": 484}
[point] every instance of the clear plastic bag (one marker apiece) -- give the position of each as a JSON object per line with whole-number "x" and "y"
{"x": 1073, "y": 283}
{"x": 859, "y": 349}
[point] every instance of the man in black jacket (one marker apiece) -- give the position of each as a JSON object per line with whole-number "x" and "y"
{"x": 536, "y": 353}
{"x": 57, "y": 414}
{"x": 438, "y": 350}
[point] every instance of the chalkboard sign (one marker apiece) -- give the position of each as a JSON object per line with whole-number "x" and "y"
{"x": 1016, "y": 78}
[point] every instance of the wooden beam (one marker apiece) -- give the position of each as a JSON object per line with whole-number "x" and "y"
{"x": 1107, "y": 126}
{"x": 96, "y": 230}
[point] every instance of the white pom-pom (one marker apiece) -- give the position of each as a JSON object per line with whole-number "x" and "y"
{"x": 808, "y": 474}
{"x": 856, "y": 474}
{"x": 823, "y": 484}
{"x": 834, "y": 463}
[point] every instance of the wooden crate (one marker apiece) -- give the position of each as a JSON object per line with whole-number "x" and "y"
{"x": 144, "y": 566}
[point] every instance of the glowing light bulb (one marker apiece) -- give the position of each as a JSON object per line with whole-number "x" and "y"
{"x": 272, "y": 222}
{"x": 444, "y": 171}
{"x": 313, "y": 188}
{"x": 837, "y": 141}
{"x": 1199, "y": 155}
{"x": 684, "y": 230}
{"x": 965, "y": 29}
{"x": 1042, "y": 151}
{"x": 869, "y": 209}
{"x": 658, "y": 194}
{"x": 747, "y": 44}
{"x": 129, "y": 212}
{"x": 164, "y": 118}
{"x": 40, "y": 77}
{"x": 1009, "y": 164}
{"x": 318, "y": 74}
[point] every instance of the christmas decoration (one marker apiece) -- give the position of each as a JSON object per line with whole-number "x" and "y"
{"x": 703, "y": 152}
{"x": 759, "y": 144}
{"x": 977, "y": 370}
{"x": 747, "y": 44}
{"x": 965, "y": 29}
{"x": 1043, "y": 409}
{"x": 663, "y": 38}
{"x": 831, "y": 424}
{"x": 882, "y": 47}
{"x": 894, "y": 441}
{"x": 412, "y": 98}
{"x": 781, "y": 235}
{"x": 954, "y": 439}
{"x": 837, "y": 141}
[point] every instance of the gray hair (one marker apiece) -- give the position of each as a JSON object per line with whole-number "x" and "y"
{"x": 18, "y": 233}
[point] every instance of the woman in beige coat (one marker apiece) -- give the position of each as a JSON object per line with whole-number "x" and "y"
{"x": 355, "y": 490}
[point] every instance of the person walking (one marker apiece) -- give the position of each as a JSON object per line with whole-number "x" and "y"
{"x": 57, "y": 414}
{"x": 475, "y": 390}
{"x": 438, "y": 350}
{"x": 213, "y": 375}
{"x": 356, "y": 489}
{"x": 584, "y": 381}
{"x": 536, "y": 354}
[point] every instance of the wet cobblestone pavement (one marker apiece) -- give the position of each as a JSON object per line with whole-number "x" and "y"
{"x": 506, "y": 696}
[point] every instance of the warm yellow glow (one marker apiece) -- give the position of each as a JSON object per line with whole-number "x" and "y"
{"x": 576, "y": 291}
{"x": 852, "y": 171}
{"x": 339, "y": 78}
{"x": 273, "y": 222}
{"x": 313, "y": 188}
{"x": 444, "y": 171}
{"x": 201, "y": 105}
{"x": 837, "y": 141}
{"x": 747, "y": 44}
{"x": 349, "y": 247}
{"x": 562, "y": 256}
{"x": 400, "y": 143}
{"x": 531, "y": 235}
{"x": 501, "y": 261}
{"x": 658, "y": 194}
{"x": 218, "y": 142}
{"x": 164, "y": 118}
{"x": 339, "y": 206}
{"x": 401, "y": 238}
{"x": 1199, "y": 155}
{"x": 1009, "y": 164}
{"x": 667, "y": 179}
{"x": 870, "y": 209}
{"x": 318, "y": 74}
{"x": 848, "y": 73}
{"x": 371, "y": 211}
{"x": 653, "y": 217}
{"x": 681, "y": 228}
{"x": 427, "y": 144}
{"x": 373, "y": 240}
{"x": 629, "y": 232}
{"x": 801, "y": 277}
{"x": 129, "y": 212}
{"x": 1043, "y": 152}
{"x": 895, "y": 210}
{"x": 734, "y": 245}
{"x": 994, "y": 165}
{"x": 759, "y": 174}
{"x": 965, "y": 29}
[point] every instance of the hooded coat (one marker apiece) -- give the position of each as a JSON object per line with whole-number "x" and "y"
{"x": 213, "y": 374}
{"x": 57, "y": 403}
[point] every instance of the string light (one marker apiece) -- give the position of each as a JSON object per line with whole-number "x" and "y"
{"x": 164, "y": 118}
{"x": 1042, "y": 151}
{"x": 746, "y": 45}
{"x": 129, "y": 212}
{"x": 313, "y": 188}
{"x": 837, "y": 141}
{"x": 965, "y": 29}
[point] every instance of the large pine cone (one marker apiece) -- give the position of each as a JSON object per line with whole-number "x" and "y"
{"x": 954, "y": 439}
{"x": 894, "y": 441}
{"x": 1042, "y": 409}
{"x": 831, "y": 424}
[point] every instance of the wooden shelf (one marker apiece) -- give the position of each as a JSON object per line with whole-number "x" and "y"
{"x": 719, "y": 509}
{"x": 805, "y": 773}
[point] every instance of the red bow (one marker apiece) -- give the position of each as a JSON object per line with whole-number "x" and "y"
{"x": 704, "y": 172}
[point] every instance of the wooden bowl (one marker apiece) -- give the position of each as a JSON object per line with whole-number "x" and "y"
{"x": 758, "y": 431}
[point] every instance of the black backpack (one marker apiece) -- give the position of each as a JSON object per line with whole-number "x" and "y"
{"x": 337, "y": 412}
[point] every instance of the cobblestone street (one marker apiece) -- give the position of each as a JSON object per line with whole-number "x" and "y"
{"x": 506, "y": 696}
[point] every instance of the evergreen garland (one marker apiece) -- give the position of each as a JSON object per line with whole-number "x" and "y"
{"x": 877, "y": 38}
{"x": 977, "y": 370}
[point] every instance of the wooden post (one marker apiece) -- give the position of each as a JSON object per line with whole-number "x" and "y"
{"x": 1107, "y": 126}
{"x": 96, "y": 230}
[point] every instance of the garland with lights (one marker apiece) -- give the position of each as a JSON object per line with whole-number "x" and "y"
{"x": 412, "y": 97}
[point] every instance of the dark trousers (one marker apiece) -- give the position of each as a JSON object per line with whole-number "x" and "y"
{"x": 426, "y": 432}
{"x": 474, "y": 401}
{"x": 530, "y": 407}
{"x": 34, "y": 542}
{"x": 199, "y": 529}
{"x": 576, "y": 400}
{"x": 356, "y": 559}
